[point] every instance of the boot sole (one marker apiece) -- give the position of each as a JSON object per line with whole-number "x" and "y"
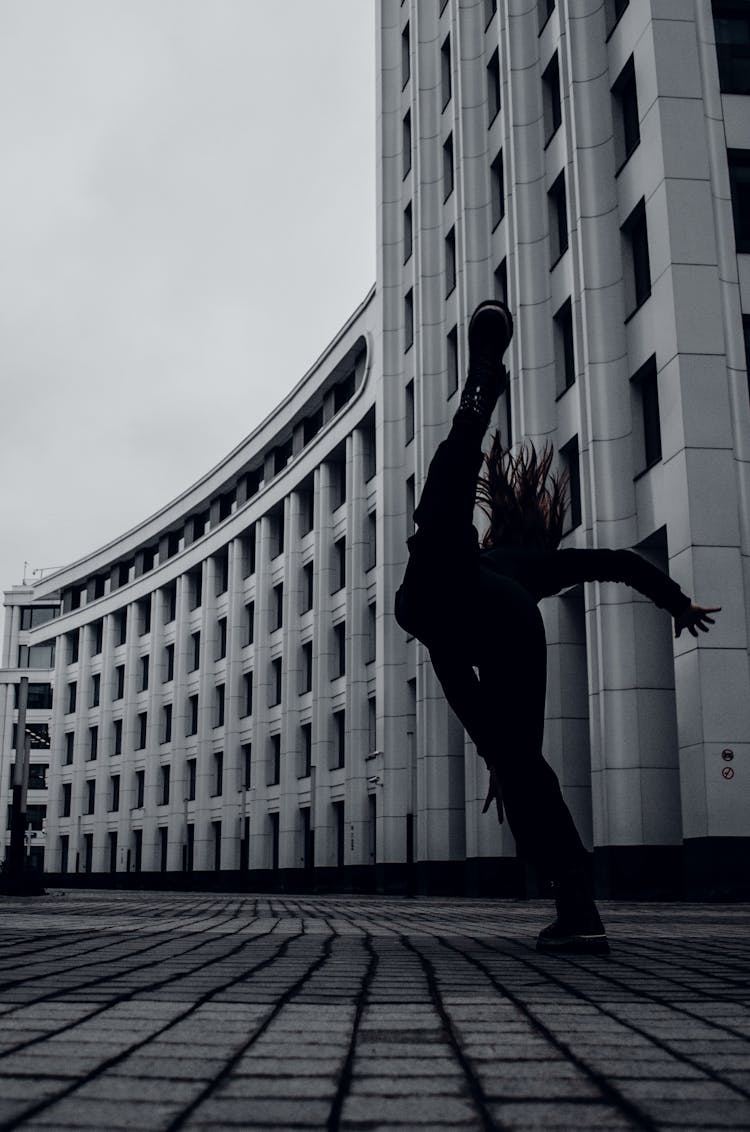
{"x": 501, "y": 308}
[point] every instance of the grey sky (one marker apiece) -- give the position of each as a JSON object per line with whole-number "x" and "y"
{"x": 187, "y": 216}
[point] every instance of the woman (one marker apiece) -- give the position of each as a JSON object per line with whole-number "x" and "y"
{"x": 476, "y": 608}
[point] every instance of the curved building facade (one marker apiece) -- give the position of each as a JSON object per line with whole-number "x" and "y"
{"x": 224, "y": 689}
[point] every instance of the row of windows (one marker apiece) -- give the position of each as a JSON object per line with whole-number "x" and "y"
{"x": 225, "y": 505}
{"x": 303, "y": 754}
{"x": 43, "y": 655}
{"x": 305, "y": 686}
{"x": 133, "y": 859}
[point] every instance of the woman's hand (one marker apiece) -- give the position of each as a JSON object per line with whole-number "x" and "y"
{"x": 695, "y": 615}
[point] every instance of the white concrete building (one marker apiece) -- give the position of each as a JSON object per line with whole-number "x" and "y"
{"x": 230, "y": 690}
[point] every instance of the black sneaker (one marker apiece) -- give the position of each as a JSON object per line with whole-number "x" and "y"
{"x": 587, "y": 937}
{"x": 490, "y": 332}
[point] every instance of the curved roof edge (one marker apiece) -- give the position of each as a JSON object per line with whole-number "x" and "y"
{"x": 66, "y": 575}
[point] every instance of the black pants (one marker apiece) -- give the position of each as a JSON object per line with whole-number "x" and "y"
{"x": 471, "y": 617}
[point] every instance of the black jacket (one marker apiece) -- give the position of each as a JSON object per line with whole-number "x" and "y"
{"x": 543, "y": 573}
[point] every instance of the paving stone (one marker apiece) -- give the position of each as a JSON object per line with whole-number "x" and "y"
{"x": 678, "y": 1060}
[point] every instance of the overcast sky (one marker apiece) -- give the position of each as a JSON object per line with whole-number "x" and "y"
{"x": 187, "y": 217}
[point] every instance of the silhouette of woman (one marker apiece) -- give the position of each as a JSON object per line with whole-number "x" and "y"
{"x": 476, "y": 608}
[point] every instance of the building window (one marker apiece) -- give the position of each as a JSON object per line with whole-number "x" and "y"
{"x": 117, "y": 737}
{"x": 274, "y": 822}
{"x": 739, "y": 180}
{"x": 163, "y": 848}
{"x": 195, "y": 588}
{"x": 249, "y": 618}
{"x": 613, "y": 10}
{"x": 247, "y": 550}
{"x": 339, "y": 650}
{"x": 195, "y": 650}
{"x": 143, "y": 680}
{"x": 408, "y": 320}
{"x": 497, "y": 190}
{"x": 119, "y": 681}
{"x": 144, "y": 616}
{"x": 339, "y": 829}
{"x": 450, "y": 261}
{"x": 166, "y": 723}
{"x": 339, "y": 565}
{"x": 190, "y": 777}
{"x": 168, "y": 664}
{"x": 732, "y": 34}
{"x": 96, "y": 682}
{"x": 247, "y": 765}
{"x": 69, "y": 744}
{"x": 221, "y": 643}
{"x": 406, "y": 143}
{"x": 558, "y": 219}
{"x": 90, "y": 795}
{"x": 276, "y": 531}
{"x": 625, "y": 100}
{"x": 97, "y": 636}
{"x": 337, "y": 466}
{"x": 32, "y": 616}
{"x": 38, "y": 776}
{"x": 445, "y": 71}
{"x": 72, "y": 696}
{"x": 407, "y": 233}
{"x": 140, "y": 788}
{"x": 219, "y": 706}
{"x": 169, "y": 603}
{"x": 308, "y": 577}
{"x": 306, "y": 749}
{"x": 405, "y": 56}
{"x": 93, "y": 743}
{"x": 646, "y": 417}
{"x": 372, "y": 722}
{"x": 372, "y": 540}
{"x": 247, "y": 693}
{"x": 165, "y": 786}
{"x": 274, "y": 768}
{"x": 66, "y": 799}
{"x": 500, "y": 277}
{"x": 551, "y": 98}
{"x": 142, "y": 725}
{"x": 277, "y": 607}
{"x": 493, "y": 87}
{"x": 121, "y": 627}
{"x": 275, "y": 682}
{"x": 114, "y": 793}
{"x": 339, "y": 738}
{"x": 192, "y": 722}
{"x": 635, "y": 258}
{"x": 448, "y": 167}
{"x": 545, "y": 8}
{"x": 371, "y": 632}
{"x": 571, "y": 462}
{"x": 71, "y": 640}
{"x": 218, "y": 783}
{"x": 451, "y": 342}
{"x": 565, "y": 366}
{"x": 221, "y": 572}
{"x": 216, "y": 833}
{"x": 307, "y": 667}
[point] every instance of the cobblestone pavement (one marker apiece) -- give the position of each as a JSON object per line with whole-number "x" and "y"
{"x": 170, "y": 1011}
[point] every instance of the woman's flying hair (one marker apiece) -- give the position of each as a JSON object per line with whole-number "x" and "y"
{"x": 523, "y": 508}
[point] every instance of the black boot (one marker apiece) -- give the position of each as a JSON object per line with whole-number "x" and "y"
{"x": 578, "y": 927}
{"x": 490, "y": 332}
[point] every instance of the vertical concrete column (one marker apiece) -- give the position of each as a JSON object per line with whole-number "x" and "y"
{"x": 182, "y": 810}
{"x": 322, "y": 729}
{"x": 103, "y": 719}
{"x": 203, "y": 844}
{"x": 259, "y": 822}
{"x": 232, "y": 831}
